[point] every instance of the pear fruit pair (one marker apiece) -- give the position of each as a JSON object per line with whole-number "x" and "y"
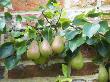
{"x": 103, "y": 75}
{"x": 77, "y": 62}
{"x": 57, "y": 46}
{"x": 35, "y": 51}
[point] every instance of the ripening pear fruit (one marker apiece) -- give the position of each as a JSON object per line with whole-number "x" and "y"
{"x": 40, "y": 60}
{"x": 109, "y": 73}
{"x": 45, "y": 48}
{"x": 58, "y": 45}
{"x": 77, "y": 62}
{"x": 103, "y": 74}
{"x": 33, "y": 51}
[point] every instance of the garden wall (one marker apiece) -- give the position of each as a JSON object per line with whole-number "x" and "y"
{"x": 27, "y": 71}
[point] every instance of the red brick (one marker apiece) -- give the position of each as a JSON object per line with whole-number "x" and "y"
{"x": 1, "y": 9}
{"x": 29, "y": 71}
{"x": 34, "y": 71}
{"x": 26, "y": 5}
{"x": 2, "y": 69}
{"x": 88, "y": 51}
{"x": 106, "y": 2}
{"x": 95, "y": 80}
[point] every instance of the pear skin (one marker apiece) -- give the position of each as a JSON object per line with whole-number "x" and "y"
{"x": 58, "y": 45}
{"x": 103, "y": 74}
{"x": 41, "y": 60}
{"x": 45, "y": 48}
{"x": 77, "y": 62}
{"x": 33, "y": 51}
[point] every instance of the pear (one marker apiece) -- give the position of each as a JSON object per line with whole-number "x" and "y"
{"x": 103, "y": 74}
{"x": 109, "y": 73}
{"x": 33, "y": 51}
{"x": 45, "y": 48}
{"x": 58, "y": 45}
{"x": 77, "y": 62}
{"x": 40, "y": 60}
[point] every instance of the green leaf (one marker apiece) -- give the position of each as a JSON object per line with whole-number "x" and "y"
{"x": 49, "y": 14}
{"x": 65, "y": 70}
{"x": 76, "y": 42}
{"x": 41, "y": 22}
{"x": 2, "y": 24}
{"x": 103, "y": 48}
{"x": 6, "y": 50}
{"x": 30, "y": 18}
{"x": 97, "y": 59}
{"x": 94, "y": 14}
{"x": 65, "y": 22}
{"x": 79, "y": 21}
{"x": 8, "y": 16}
{"x": 91, "y": 11}
{"x": 48, "y": 34}
{"x": 80, "y": 16}
{"x": 15, "y": 34}
{"x": 103, "y": 27}
{"x": 32, "y": 33}
{"x": 107, "y": 36}
{"x": 90, "y": 29}
{"x": 51, "y": 3}
{"x": 6, "y": 3}
{"x": 18, "y": 18}
{"x": 92, "y": 41}
{"x": 11, "y": 62}
{"x": 71, "y": 34}
{"x": 21, "y": 48}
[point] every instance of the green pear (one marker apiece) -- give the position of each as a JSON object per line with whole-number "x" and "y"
{"x": 77, "y": 62}
{"x": 109, "y": 73}
{"x": 40, "y": 60}
{"x": 58, "y": 45}
{"x": 45, "y": 48}
{"x": 103, "y": 74}
{"x": 33, "y": 51}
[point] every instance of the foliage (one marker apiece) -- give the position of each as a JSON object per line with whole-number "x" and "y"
{"x": 77, "y": 32}
{"x": 5, "y": 3}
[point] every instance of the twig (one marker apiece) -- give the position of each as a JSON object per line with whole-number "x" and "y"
{"x": 46, "y": 17}
{"x": 49, "y": 22}
{"x": 77, "y": 28}
{"x": 101, "y": 34}
{"x": 59, "y": 16}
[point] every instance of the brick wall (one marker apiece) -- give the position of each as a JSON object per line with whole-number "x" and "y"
{"x": 27, "y": 69}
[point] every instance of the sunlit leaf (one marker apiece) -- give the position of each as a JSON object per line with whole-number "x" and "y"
{"x": 48, "y": 14}
{"x": 2, "y": 24}
{"x": 76, "y": 42}
{"x": 71, "y": 34}
{"x": 65, "y": 70}
{"x": 90, "y": 29}
{"x": 103, "y": 27}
